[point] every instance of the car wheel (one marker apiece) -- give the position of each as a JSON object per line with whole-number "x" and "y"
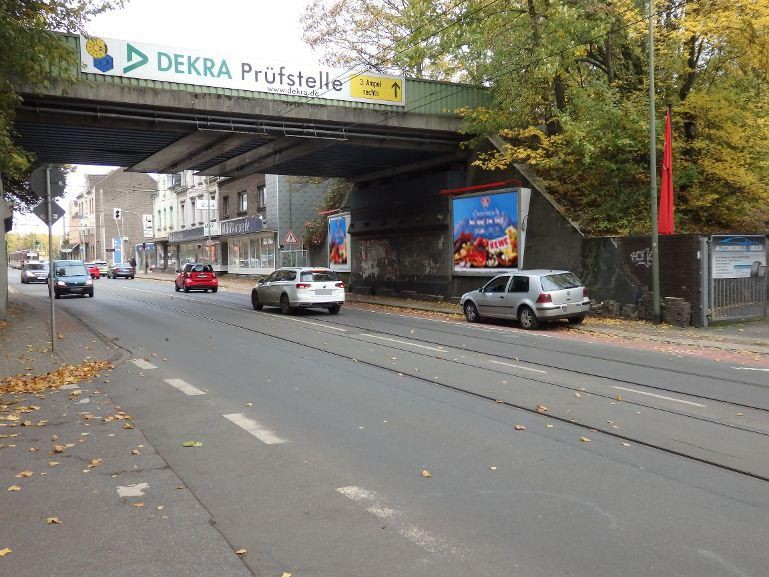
{"x": 577, "y": 320}
{"x": 213, "y": 290}
{"x": 527, "y": 319}
{"x": 285, "y": 306}
{"x": 334, "y": 309}
{"x": 186, "y": 289}
{"x": 90, "y": 295}
{"x": 176, "y": 287}
{"x": 255, "y": 301}
{"x": 132, "y": 277}
{"x": 471, "y": 312}
{"x": 57, "y": 295}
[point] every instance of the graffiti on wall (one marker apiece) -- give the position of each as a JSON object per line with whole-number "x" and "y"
{"x": 642, "y": 257}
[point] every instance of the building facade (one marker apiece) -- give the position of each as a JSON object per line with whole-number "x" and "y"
{"x": 95, "y": 234}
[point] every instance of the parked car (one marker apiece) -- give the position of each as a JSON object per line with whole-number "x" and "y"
{"x": 71, "y": 277}
{"x": 34, "y": 272}
{"x": 103, "y": 267}
{"x": 121, "y": 270}
{"x": 93, "y": 270}
{"x": 530, "y": 296}
{"x": 299, "y": 287}
{"x": 196, "y": 276}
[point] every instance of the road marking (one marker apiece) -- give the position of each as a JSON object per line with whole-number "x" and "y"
{"x": 403, "y": 342}
{"x": 659, "y": 396}
{"x": 184, "y": 387}
{"x": 312, "y": 323}
{"x": 518, "y": 367}
{"x": 377, "y": 506}
{"x": 748, "y": 369}
{"x": 266, "y": 436}
{"x": 142, "y": 364}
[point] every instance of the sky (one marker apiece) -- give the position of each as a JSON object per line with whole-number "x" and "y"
{"x": 241, "y": 26}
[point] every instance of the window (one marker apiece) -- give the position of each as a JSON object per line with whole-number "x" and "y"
{"x": 171, "y": 217}
{"x": 242, "y": 202}
{"x": 160, "y": 222}
{"x": 182, "y": 221}
{"x": 225, "y": 205}
{"x": 560, "y": 281}
{"x": 260, "y": 196}
{"x": 520, "y": 284}
{"x": 319, "y": 276}
{"x": 496, "y": 285}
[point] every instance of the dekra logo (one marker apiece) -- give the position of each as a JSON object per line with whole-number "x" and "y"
{"x": 178, "y": 63}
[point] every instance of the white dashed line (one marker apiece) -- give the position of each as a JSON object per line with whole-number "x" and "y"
{"x": 518, "y": 367}
{"x": 659, "y": 396}
{"x": 377, "y": 506}
{"x": 142, "y": 364}
{"x": 403, "y": 343}
{"x": 748, "y": 369}
{"x": 266, "y": 436}
{"x": 184, "y": 387}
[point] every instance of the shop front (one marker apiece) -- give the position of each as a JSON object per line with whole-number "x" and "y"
{"x": 250, "y": 249}
{"x": 194, "y": 245}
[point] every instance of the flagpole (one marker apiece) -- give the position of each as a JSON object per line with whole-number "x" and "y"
{"x": 656, "y": 316}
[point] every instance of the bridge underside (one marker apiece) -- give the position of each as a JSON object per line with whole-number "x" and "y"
{"x": 233, "y": 143}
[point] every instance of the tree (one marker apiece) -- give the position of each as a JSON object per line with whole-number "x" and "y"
{"x": 569, "y": 86}
{"x": 30, "y": 47}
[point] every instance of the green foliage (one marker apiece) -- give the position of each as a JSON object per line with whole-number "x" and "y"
{"x": 569, "y": 80}
{"x": 315, "y": 230}
{"x": 30, "y": 47}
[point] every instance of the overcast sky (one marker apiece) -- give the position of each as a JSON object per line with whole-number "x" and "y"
{"x": 240, "y": 26}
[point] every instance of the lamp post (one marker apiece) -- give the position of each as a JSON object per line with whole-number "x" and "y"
{"x": 656, "y": 317}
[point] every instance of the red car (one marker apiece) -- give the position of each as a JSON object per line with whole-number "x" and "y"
{"x": 196, "y": 276}
{"x": 93, "y": 269}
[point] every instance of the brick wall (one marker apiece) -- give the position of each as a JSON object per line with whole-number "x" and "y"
{"x": 231, "y": 188}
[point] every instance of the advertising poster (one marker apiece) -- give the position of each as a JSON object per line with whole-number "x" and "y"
{"x": 117, "y": 244}
{"x": 739, "y": 256}
{"x": 485, "y": 232}
{"x": 339, "y": 243}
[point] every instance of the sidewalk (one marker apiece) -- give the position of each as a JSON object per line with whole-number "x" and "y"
{"x": 83, "y": 491}
{"x": 752, "y": 337}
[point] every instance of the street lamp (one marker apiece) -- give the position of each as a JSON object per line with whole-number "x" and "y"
{"x": 656, "y": 317}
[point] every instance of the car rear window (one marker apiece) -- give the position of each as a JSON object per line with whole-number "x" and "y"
{"x": 36, "y": 266}
{"x": 319, "y": 276}
{"x": 203, "y": 268}
{"x": 560, "y": 281}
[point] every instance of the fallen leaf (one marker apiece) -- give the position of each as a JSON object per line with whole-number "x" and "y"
{"x": 739, "y": 414}
{"x": 135, "y": 452}
{"x": 286, "y": 574}
{"x": 33, "y": 449}
{"x": 618, "y": 398}
{"x": 493, "y": 467}
{"x": 14, "y": 488}
{"x": 54, "y": 521}
{"x": 58, "y": 449}
{"x": 4, "y": 552}
{"x": 550, "y": 426}
{"x": 24, "y": 474}
{"x": 192, "y": 444}
{"x": 584, "y": 439}
{"x": 242, "y": 552}
{"x": 577, "y": 395}
{"x": 249, "y": 404}
{"x": 520, "y": 427}
{"x": 53, "y": 463}
{"x": 541, "y": 409}
{"x": 128, "y": 426}
{"x": 425, "y": 473}
{"x": 95, "y": 463}
{"x": 625, "y": 444}
{"x": 499, "y": 401}
{"x": 138, "y": 504}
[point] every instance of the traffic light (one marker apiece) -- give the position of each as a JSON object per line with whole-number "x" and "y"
{"x": 117, "y": 214}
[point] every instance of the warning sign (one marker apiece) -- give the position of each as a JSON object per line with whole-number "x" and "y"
{"x": 290, "y": 238}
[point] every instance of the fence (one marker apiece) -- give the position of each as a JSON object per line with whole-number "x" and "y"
{"x": 294, "y": 258}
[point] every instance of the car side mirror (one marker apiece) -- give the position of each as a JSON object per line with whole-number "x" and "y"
{"x": 178, "y": 270}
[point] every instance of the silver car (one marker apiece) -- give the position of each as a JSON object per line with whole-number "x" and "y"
{"x": 530, "y": 296}
{"x": 34, "y": 272}
{"x": 299, "y": 287}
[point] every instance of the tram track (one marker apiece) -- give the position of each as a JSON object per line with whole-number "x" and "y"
{"x": 585, "y": 426}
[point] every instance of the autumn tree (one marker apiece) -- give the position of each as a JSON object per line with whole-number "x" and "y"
{"x": 30, "y": 45}
{"x": 569, "y": 83}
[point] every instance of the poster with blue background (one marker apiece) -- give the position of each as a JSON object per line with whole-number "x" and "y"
{"x": 485, "y": 232}
{"x": 339, "y": 243}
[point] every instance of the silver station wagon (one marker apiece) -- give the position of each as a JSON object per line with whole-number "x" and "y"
{"x": 291, "y": 288}
{"x": 529, "y": 296}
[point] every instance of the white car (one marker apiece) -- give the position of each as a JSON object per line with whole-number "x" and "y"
{"x": 299, "y": 287}
{"x": 530, "y": 296}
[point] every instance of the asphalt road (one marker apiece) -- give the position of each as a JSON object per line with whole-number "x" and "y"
{"x": 316, "y": 429}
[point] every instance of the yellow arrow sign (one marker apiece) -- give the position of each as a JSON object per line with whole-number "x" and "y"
{"x": 377, "y": 88}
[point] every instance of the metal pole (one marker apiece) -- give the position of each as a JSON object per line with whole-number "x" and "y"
{"x": 208, "y": 244}
{"x": 50, "y": 259}
{"x": 656, "y": 316}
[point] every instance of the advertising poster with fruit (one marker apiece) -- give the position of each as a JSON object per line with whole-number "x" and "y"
{"x": 485, "y": 232}
{"x": 339, "y": 243}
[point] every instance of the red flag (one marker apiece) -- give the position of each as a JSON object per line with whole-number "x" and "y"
{"x": 666, "y": 223}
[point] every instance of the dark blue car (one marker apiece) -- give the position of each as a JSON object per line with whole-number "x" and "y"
{"x": 71, "y": 277}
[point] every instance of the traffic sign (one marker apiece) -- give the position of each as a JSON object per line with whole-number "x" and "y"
{"x": 290, "y": 238}
{"x": 41, "y": 212}
{"x": 385, "y": 88}
{"x": 58, "y": 181}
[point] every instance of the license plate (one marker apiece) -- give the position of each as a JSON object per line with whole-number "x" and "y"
{"x": 323, "y": 292}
